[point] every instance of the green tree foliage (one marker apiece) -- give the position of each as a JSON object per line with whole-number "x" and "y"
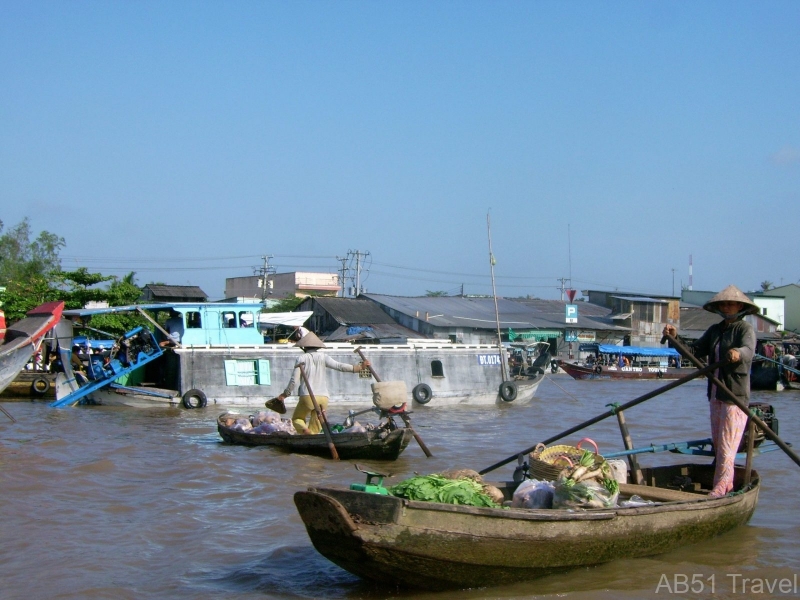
{"x": 27, "y": 269}
{"x": 435, "y": 294}
{"x": 79, "y": 287}
{"x": 285, "y": 305}
{"x": 766, "y": 285}
{"x": 21, "y": 258}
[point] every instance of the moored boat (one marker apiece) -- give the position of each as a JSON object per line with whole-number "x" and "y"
{"x": 24, "y": 337}
{"x": 222, "y": 359}
{"x": 438, "y": 546}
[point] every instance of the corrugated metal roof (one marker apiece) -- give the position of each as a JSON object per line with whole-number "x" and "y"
{"x": 641, "y": 299}
{"x": 176, "y": 291}
{"x": 352, "y": 311}
{"x": 518, "y": 314}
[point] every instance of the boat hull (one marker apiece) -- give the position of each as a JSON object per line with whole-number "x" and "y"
{"x": 577, "y": 371}
{"x": 367, "y": 445}
{"x": 454, "y": 374}
{"x": 437, "y": 546}
{"x": 23, "y": 338}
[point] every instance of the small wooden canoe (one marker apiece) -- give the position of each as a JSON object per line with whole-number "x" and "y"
{"x": 378, "y": 444}
{"x": 439, "y": 546}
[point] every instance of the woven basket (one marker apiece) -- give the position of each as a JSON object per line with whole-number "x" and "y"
{"x": 547, "y": 463}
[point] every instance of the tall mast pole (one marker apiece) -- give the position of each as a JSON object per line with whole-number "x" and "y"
{"x": 496, "y": 310}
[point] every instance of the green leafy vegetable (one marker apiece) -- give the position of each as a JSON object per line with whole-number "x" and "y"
{"x": 435, "y": 488}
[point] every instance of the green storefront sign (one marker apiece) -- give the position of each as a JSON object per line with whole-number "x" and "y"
{"x": 534, "y": 335}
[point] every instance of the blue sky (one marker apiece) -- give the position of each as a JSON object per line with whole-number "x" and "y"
{"x": 607, "y": 141}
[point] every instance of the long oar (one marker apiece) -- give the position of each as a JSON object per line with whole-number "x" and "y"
{"x": 8, "y": 414}
{"x": 320, "y": 415}
{"x": 742, "y": 406}
{"x": 609, "y": 413}
{"x": 403, "y": 415}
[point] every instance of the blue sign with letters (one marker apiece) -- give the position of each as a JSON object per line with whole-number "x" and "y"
{"x": 572, "y": 313}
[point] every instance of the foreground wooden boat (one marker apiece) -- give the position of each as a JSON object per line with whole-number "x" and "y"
{"x": 439, "y": 546}
{"x": 24, "y": 337}
{"x": 378, "y": 444}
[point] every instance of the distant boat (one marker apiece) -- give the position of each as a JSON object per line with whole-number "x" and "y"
{"x": 24, "y": 337}
{"x": 376, "y": 444}
{"x": 643, "y": 363}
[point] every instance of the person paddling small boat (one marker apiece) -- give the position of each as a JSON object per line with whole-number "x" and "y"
{"x": 732, "y": 338}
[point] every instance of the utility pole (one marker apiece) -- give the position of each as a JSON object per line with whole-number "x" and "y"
{"x": 343, "y": 273}
{"x": 563, "y": 281}
{"x": 673, "y": 281}
{"x": 358, "y": 256}
{"x": 264, "y": 283}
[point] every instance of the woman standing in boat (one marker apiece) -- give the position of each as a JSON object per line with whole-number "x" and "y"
{"x": 732, "y": 338}
{"x": 315, "y": 365}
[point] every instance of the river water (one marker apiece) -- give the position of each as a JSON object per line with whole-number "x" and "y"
{"x": 102, "y": 502}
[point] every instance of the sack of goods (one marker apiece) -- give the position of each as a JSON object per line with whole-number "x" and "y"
{"x": 389, "y": 394}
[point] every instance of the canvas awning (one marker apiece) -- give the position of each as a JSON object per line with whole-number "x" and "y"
{"x": 288, "y": 319}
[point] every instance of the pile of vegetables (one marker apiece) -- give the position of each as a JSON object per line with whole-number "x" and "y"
{"x": 437, "y": 488}
{"x": 588, "y": 484}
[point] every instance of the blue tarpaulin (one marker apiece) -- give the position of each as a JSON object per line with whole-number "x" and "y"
{"x": 356, "y": 329}
{"x": 629, "y": 350}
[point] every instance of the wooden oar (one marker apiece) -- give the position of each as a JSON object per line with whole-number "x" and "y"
{"x": 403, "y": 415}
{"x": 8, "y": 414}
{"x": 732, "y": 397}
{"x": 609, "y": 413}
{"x": 320, "y": 415}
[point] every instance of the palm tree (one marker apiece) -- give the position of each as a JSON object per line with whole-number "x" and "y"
{"x": 765, "y": 285}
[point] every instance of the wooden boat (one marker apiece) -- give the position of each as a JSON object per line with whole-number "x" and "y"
{"x": 579, "y": 371}
{"x": 378, "y": 444}
{"x": 439, "y": 546}
{"x": 24, "y": 337}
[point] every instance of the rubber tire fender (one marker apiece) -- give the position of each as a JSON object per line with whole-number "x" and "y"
{"x": 422, "y": 393}
{"x": 598, "y": 369}
{"x": 40, "y": 386}
{"x": 194, "y": 398}
{"x": 508, "y": 391}
{"x": 660, "y": 374}
{"x": 553, "y": 367}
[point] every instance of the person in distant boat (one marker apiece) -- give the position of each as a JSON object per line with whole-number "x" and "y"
{"x": 315, "y": 365}
{"x": 299, "y": 332}
{"x": 174, "y": 327}
{"x": 732, "y": 338}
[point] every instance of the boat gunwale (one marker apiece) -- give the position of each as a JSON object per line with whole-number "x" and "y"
{"x": 703, "y": 502}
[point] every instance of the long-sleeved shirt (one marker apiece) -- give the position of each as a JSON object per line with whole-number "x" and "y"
{"x": 715, "y": 343}
{"x": 314, "y": 364}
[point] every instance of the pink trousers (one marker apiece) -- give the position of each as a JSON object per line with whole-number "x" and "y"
{"x": 727, "y": 427}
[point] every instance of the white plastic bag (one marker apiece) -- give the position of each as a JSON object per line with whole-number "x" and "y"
{"x": 533, "y": 493}
{"x": 242, "y": 424}
{"x": 619, "y": 470}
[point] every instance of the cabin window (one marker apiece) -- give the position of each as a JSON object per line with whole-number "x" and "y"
{"x": 245, "y": 319}
{"x": 247, "y": 372}
{"x": 228, "y": 319}
{"x": 437, "y": 370}
{"x": 193, "y": 320}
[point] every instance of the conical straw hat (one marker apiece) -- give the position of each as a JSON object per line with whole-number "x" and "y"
{"x": 732, "y": 294}
{"x": 309, "y": 340}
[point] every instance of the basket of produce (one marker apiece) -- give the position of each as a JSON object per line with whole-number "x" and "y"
{"x": 546, "y": 463}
